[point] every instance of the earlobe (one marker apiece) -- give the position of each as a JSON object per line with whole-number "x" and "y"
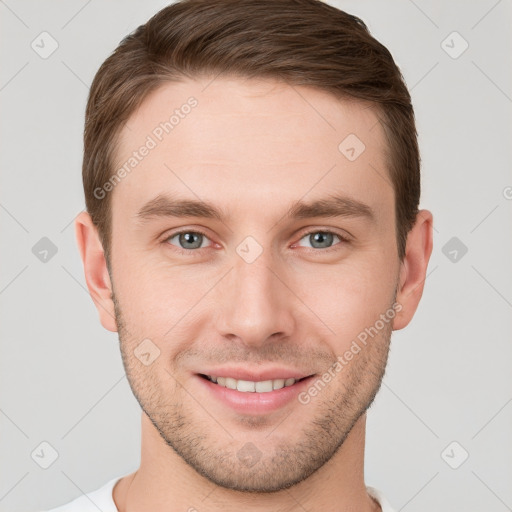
{"x": 413, "y": 269}
{"x": 95, "y": 269}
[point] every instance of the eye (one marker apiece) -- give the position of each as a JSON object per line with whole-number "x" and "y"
{"x": 187, "y": 240}
{"x": 323, "y": 239}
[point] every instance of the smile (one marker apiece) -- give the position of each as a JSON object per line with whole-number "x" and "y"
{"x": 248, "y": 386}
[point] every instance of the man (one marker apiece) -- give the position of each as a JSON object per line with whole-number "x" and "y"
{"x": 252, "y": 180}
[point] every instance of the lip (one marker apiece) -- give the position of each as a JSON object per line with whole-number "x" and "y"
{"x": 252, "y": 402}
{"x": 256, "y": 375}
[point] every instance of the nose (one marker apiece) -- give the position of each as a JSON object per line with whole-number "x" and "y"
{"x": 254, "y": 303}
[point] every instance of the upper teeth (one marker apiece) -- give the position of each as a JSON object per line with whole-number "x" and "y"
{"x": 248, "y": 386}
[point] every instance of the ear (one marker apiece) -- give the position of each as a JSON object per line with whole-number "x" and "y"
{"x": 95, "y": 269}
{"x": 413, "y": 268}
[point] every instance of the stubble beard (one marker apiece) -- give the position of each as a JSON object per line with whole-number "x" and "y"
{"x": 215, "y": 452}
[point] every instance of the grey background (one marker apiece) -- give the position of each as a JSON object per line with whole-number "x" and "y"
{"x": 448, "y": 379}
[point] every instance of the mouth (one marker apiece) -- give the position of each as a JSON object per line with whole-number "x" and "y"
{"x": 249, "y": 386}
{"x": 266, "y": 393}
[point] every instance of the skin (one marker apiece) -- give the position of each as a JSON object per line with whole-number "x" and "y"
{"x": 252, "y": 147}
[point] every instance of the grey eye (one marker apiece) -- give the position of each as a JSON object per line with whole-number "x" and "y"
{"x": 189, "y": 239}
{"x": 320, "y": 239}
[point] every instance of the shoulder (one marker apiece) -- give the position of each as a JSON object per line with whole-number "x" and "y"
{"x": 99, "y": 499}
{"x": 380, "y": 498}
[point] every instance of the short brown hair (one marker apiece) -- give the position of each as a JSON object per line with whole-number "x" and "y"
{"x": 300, "y": 42}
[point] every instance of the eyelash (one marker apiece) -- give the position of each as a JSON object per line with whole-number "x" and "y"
{"x": 190, "y": 252}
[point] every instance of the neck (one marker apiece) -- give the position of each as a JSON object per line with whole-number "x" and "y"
{"x": 164, "y": 482}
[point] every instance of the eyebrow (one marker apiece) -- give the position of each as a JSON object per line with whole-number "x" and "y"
{"x": 332, "y": 206}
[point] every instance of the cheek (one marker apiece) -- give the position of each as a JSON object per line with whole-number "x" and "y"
{"x": 165, "y": 302}
{"x": 169, "y": 301}
{"x": 350, "y": 299}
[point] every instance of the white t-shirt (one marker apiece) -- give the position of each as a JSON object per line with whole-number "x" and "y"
{"x": 101, "y": 499}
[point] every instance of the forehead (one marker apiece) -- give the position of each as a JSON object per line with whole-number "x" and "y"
{"x": 240, "y": 141}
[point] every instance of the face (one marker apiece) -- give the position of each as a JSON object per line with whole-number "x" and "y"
{"x": 267, "y": 278}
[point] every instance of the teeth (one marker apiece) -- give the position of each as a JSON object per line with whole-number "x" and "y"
{"x": 247, "y": 386}
{"x": 230, "y": 383}
{"x": 264, "y": 386}
{"x": 278, "y": 383}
